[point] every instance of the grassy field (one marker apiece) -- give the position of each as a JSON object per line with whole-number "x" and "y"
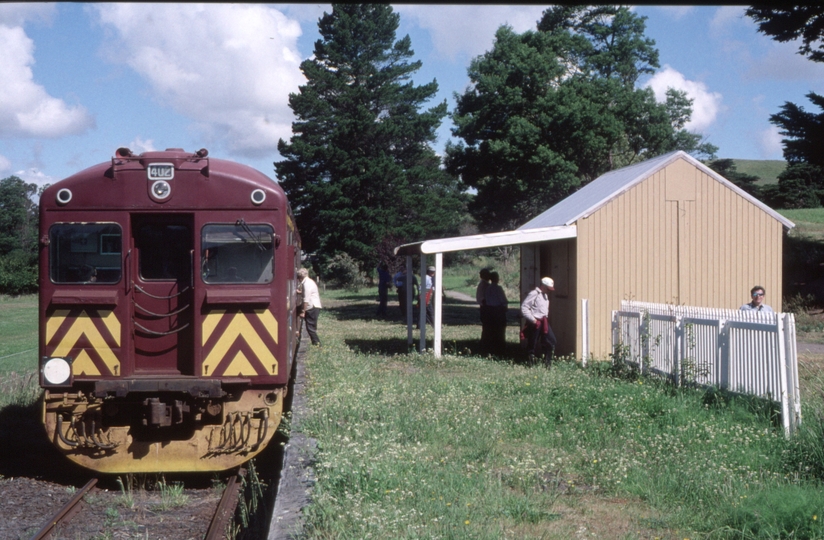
{"x": 462, "y": 446}
{"x": 468, "y": 447}
{"x": 766, "y": 170}
{"x": 18, "y": 350}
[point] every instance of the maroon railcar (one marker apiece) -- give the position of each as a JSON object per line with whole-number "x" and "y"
{"x": 167, "y": 312}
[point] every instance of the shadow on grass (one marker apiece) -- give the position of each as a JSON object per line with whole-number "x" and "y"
{"x": 454, "y": 313}
{"x": 26, "y": 451}
{"x": 461, "y": 347}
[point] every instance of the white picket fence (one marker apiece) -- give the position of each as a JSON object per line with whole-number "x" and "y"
{"x": 745, "y": 352}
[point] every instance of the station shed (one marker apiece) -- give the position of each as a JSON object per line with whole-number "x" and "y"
{"x": 666, "y": 230}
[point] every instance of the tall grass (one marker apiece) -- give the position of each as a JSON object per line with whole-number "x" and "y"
{"x": 412, "y": 446}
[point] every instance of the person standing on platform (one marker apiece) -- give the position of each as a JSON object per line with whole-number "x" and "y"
{"x": 310, "y": 304}
{"x": 535, "y": 309}
{"x": 401, "y": 282}
{"x": 497, "y": 305}
{"x": 384, "y": 282}
{"x": 480, "y": 297}
{"x": 429, "y": 295}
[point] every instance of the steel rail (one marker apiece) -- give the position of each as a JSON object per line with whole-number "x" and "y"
{"x": 225, "y": 509}
{"x": 65, "y": 513}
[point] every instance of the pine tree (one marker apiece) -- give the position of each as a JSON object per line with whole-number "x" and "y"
{"x": 359, "y": 166}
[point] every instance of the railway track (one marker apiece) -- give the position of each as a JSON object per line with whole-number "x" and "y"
{"x": 69, "y": 510}
{"x": 218, "y": 524}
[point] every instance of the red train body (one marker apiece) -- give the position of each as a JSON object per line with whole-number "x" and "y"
{"x": 167, "y": 320}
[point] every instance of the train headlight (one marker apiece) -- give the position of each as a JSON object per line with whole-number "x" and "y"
{"x": 161, "y": 190}
{"x": 56, "y": 371}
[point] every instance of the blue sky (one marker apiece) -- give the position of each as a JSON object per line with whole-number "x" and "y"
{"x": 81, "y": 80}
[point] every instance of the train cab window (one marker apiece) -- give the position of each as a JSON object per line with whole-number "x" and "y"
{"x": 85, "y": 253}
{"x": 237, "y": 253}
{"x": 164, "y": 252}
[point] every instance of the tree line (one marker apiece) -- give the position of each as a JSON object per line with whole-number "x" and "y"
{"x": 546, "y": 111}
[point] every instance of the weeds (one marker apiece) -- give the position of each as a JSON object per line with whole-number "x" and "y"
{"x": 126, "y": 491}
{"x": 171, "y": 495}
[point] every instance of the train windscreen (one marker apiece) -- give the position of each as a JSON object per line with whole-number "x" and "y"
{"x": 237, "y": 253}
{"x": 85, "y": 253}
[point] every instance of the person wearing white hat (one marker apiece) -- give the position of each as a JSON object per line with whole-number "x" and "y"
{"x": 535, "y": 309}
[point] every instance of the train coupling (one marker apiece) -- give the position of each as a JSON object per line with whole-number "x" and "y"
{"x": 160, "y": 414}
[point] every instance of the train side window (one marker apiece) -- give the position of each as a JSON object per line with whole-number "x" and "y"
{"x": 85, "y": 253}
{"x": 237, "y": 253}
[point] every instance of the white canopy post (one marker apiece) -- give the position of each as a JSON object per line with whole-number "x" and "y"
{"x": 438, "y": 304}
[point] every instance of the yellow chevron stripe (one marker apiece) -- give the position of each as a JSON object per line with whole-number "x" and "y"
{"x": 83, "y": 325}
{"x": 210, "y": 322}
{"x": 269, "y": 322}
{"x": 240, "y": 327}
{"x": 240, "y": 365}
{"x": 112, "y": 324}
{"x": 83, "y": 365}
{"x": 54, "y": 323}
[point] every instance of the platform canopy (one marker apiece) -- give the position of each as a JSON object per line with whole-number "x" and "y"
{"x": 461, "y": 243}
{"x": 483, "y": 241}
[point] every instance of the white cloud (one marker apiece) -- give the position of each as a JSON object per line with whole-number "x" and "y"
{"x": 308, "y": 13}
{"x": 769, "y": 143}
{"x": 705, "y": 106}
{"x": 17, "y": 14}
{"x": 138, "y": 145}
{"x": 782, "y": 63}
{"x": 34, "y": 175}
{"x": 676, "y": 12}
{"x": 228, "y": 67}
{"x": 5, "y": 164}
{"x": 469, "y": 29}
{"x": 726, "y": 16}
{"x": 26, "y": 109}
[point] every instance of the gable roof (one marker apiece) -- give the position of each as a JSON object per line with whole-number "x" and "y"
{"x": 608, "y": 186}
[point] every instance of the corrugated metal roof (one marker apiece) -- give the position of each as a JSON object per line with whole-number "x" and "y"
{"x": 608, "y": 186}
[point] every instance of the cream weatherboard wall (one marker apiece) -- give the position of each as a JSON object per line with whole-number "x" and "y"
{"x": 679, "y": 236}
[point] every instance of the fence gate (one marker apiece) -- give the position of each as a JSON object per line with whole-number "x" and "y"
{"x": 747, "y": 352}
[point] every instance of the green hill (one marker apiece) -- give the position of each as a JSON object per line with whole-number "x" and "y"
{"x": 765, "y": 169}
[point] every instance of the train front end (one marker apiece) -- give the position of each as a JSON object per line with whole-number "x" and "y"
{"x": 167, "y": 324}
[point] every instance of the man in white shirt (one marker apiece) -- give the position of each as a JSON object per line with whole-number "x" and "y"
{"x": 310, "y": 304}
{"x": 535, "y": 309}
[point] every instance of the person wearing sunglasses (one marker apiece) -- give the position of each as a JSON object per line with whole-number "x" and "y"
{"x": 757, "y": 303}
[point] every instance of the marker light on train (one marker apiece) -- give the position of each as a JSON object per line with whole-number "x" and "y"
{"x": 64, "y": 196}
{"x": 258, "y": 196}
{"x": 57, "y": 371}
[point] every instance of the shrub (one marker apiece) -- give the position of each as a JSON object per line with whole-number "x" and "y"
{"x": 18, "y": 273}
{"x": 344, "y": 272}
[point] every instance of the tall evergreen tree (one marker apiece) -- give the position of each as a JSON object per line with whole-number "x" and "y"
{"x": 359, "y": 166}
{"x": 801, "y": 184}
{"x": 552, "y": 109}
